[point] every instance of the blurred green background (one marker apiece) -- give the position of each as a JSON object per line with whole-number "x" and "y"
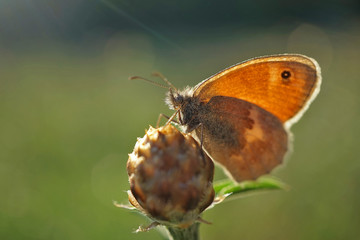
{"x": 69, "y": 115}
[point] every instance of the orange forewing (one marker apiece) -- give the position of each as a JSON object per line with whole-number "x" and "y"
{"x": 260, "y": 81}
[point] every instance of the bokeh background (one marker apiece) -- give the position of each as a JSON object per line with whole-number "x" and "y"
{"x": 69, "y": 115}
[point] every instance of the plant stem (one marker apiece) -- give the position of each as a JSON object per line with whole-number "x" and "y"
{"x": 190, "y": 233}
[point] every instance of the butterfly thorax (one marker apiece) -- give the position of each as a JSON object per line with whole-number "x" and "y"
{"x": 187, "y": 105}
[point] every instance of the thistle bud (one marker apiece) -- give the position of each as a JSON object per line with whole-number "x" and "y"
{"x": 170, "y": 177}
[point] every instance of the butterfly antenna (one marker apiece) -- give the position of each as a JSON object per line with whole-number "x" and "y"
{"x": 157, "y": 74}
{"x": 148, "y": 80}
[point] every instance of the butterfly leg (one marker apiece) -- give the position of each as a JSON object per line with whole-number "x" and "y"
{"x": 201, "y": 139}
{"x": 170, "y": 119}
{"x": 201, "y": 135}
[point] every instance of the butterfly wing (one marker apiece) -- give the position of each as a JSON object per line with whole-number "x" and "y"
{"x": 247, "y": 140}
{"x": 284, "y": 85}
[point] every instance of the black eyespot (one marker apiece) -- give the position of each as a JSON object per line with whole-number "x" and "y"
{"x": 285, "y": 74}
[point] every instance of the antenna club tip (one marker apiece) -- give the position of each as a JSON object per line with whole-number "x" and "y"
{"x": 133, "y": 77}
{"x": 156, "y": 74}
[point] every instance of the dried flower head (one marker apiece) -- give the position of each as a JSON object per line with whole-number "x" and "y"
{"x": 170, "y": 177}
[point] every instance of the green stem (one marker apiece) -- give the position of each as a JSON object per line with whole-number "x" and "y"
{"x": 190, "y": 233}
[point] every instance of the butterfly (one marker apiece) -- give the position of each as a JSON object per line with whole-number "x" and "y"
{"x": 243, "y": 114}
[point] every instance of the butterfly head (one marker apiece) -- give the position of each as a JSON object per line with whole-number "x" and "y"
{"x": 176, "y": 99}
{"x": 186, "y": 104}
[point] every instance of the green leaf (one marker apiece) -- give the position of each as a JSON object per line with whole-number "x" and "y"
{"x": 227, "y": 186}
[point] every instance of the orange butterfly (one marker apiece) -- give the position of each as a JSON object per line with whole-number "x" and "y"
{"x": 242, "y": 115}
